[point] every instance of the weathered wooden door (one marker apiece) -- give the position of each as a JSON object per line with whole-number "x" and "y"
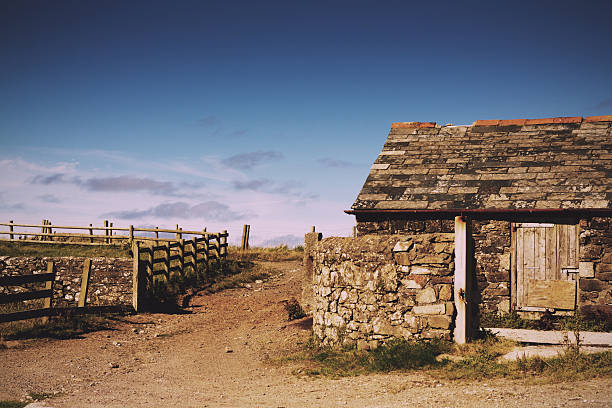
{"x": 546, "y": 266}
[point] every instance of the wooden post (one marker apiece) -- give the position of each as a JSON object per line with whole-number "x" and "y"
{"x": 156, "y": 236}
{"x": 206, "y": 249}
{"x": 42, "y": 230}
{"x": 194, "y": 254}
{"x": 11, "y": 230}
{"x": 47, "y": 302}
{"x": 246, "y": 231}
{"x": 110, "y": 234}
{"x": 312, "y": 229}
{"x": 355, "y": 232}
{"x": 50, "y": 230}
{"x": 167, "y": 260}
{"x": 84, "y": 283}
{"x": 131, "y": 235}
{"x": 463, "y": 276}
{"x": 91, "y": 239}
{"x": 177, "y": 236}
{"x": 136, "y": 280}
{"x": 181, "y": 248}
{"x": 223, "y": 244}
{"x": 150, "y": 260}
{"x": 181, "y": 233}
{"x": 106, "y": 231}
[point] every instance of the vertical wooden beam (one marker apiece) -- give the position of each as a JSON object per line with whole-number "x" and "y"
{"x": 136, "y": 280}
{"x": 50, "y": 230}
{"x": 194, "y": 253}
{"x": 223, "y": 244}
{"x": 177, "y": 235}
{"x": 11, "y": 230}
{"x": 110, "y": 233}
{"x": 167, "y": 259}
{"x": 463, "y": 284}
{"x": 355, "y": 231}
{"x": 48, "y": 302}
{"x": 131, "y": 235}
{"x": 156, "y": 236}
{"x": 312, "y": 229}
{"x": 84, "y": 283}
{"x": 181, "y": 248}
{"x": 91, "y": 239}
{"x": 106, "y": 231}
{"x": 42, "y": 230}
{"x": 150, "y": 260}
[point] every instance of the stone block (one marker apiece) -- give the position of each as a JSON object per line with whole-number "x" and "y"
{"x": 403, "y": 246}
{"x": 592, "y": 285}
{"x": 439, "y": 322}
{"x": 403, "y": 258}
{"x": 586, "y": 270}
{"x": 503, "y": 307}
{"x": 429, "y": 309}
{"x": 420, "y": 270}
{"x": 504, "y": 262}
{"x": 363, "y": 344}
{"x": 604, "y": 276}
{"x": 427, "y": 295}
{"x": 445, "y": 292}
{"x": 604, "y": 267}
{"x": 411, "y": 284}
{"x": 381, "y": 325}
{"x": 413, "y": 322}
{"x": 449, "y": 308}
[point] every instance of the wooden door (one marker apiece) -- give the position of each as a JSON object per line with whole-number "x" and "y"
{"x": 546, "y": 266}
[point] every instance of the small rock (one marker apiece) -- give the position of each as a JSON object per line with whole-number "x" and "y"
{"x": 248, "y": 285}
{"x": 141, "y": 331}
{"x": 113, "y": 365}
{"x": 135, "y": 330}
{"x": 228, "y": 350}
{"x": 156, "y": 335}
{"x": 116, "y": 343}
{"x": 258, "y": 281}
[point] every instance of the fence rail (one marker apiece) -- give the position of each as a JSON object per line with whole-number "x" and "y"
{"x": 48, "y": 233}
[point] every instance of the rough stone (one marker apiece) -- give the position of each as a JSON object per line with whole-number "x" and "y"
{"x": 586, "y": 270}
{"x": 446, "y": 292}
{"x": 439, "y": 322}
{"x": 427, "y": 295}
{"x": 429, "y": 309}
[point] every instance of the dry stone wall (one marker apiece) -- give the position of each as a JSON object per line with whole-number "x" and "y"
{"x": 374, "y": 287}
{"x": 595, "y": 268}
{"x": 110, "y": 282}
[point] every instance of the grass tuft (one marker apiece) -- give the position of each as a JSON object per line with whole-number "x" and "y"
{"x": 275, "y": 254}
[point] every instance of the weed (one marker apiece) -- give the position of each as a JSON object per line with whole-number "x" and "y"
{"x": 275, "y": 254}
{"x": 12, "y": 404}
{"x": 294, "y": 310}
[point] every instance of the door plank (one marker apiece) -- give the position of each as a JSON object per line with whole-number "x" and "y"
{"x": 520, "y": 270}
{"x": 540, "y": 253}
{"x": 556, "y": 294}
{"x": 551, "y": 253}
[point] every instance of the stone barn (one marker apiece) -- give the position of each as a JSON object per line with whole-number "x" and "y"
{"x": 457, "y": 221}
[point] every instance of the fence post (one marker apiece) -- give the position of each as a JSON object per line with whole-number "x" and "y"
{"x": 150, "y": 260}
{"x": 206, "y": 252}
{"x": 47, "y": 302}
{"x": 50, "y": 230}
{"x": 177, "y": 236}
{"x": 156, "y": 236}
{"x": 194, "y": 253}
{"x": 312, "y": 229}
{"x": 181, "y": 248}
{"x": 110, "y": 234}
{"x": 167, "y": 259}
{"x": 136, "y": 277}
{"x": 223, "y": 244}
{"x": 11, "y": 230}
{"x": 91, "y": 240}
{"x": 84, "y": 283}
{"x": 131, "y": 235}
{"x": 106, "y": 231}
{"x": 42, "y": 230}
{"x": 354, "y": 232}
{"x": 246, "y": 231}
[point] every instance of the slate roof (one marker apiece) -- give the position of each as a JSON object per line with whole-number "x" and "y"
{"x": 553, "y": 163}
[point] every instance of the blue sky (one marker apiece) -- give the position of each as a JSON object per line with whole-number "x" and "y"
{"x": 218, "y": 114}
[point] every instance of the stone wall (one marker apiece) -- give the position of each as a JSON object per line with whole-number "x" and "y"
{"x": 374, "y": 287}
{"x": 595, "y": 273}
{"x": 110, "y": 280}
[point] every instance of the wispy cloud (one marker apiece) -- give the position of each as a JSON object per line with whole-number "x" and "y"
{"x": 9, "y": 206}
{"x": 330, "y": 162}
{"x": 129, "y": 184}
{"x": 263, "y": 185}
{"x": 49, "y": 198}
{"x": 208, "y": 210}
{"x": 606, "y": 103}
{"x": 52, "y": 179}
{"x": 246, "y": 161}
{"x": 209, "y": 121}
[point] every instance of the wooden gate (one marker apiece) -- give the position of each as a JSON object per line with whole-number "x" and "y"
{"x": 546, "y": 266}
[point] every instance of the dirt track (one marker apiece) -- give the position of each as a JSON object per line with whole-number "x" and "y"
{"x": 164, "y": 360}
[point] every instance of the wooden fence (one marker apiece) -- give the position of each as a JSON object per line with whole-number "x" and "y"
{"x": 173, "y": 257}
{"x": 49, "y": 234}
{"x": 47, "y": 293}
